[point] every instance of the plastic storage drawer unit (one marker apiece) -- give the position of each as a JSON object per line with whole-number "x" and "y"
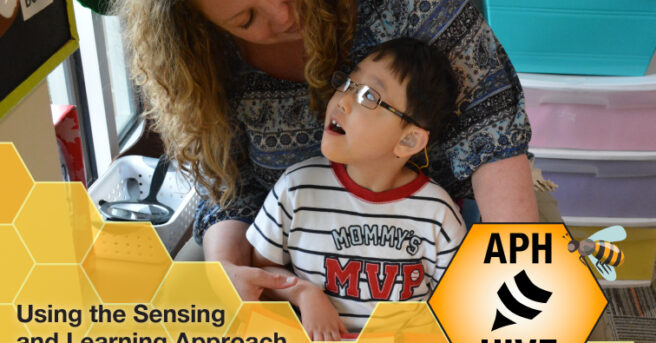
{"x": 601, "y": 183}
{"x": 595, "y": 37}
{"x": 587, "y": 112}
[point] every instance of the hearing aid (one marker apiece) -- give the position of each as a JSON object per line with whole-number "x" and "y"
{"x": 409, "y": 141}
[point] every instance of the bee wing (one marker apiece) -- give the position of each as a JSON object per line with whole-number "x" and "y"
{"x": 608, "y": 272}
{"x": 610, "y": 234}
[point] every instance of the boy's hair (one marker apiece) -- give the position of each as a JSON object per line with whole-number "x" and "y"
{"x": 432, "y": 87}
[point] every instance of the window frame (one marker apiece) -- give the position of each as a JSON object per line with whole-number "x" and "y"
{"x": 85, "y": 80}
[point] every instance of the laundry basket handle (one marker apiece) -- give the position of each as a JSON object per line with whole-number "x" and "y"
{"x": 158, "y": 178}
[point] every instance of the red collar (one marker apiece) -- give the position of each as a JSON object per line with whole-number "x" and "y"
{"x": 385, "y": 196}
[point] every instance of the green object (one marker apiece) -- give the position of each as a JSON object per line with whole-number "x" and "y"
{"x": 98, "y": 6}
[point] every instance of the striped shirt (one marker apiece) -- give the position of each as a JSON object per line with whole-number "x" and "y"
{"x": 359, "y": 246}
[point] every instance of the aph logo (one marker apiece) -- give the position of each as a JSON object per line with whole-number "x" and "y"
{"x": 517, "y": 283}
{"x": 529, "y": 291}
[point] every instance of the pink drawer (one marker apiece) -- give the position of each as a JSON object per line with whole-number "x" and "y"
{"x": 591, "y": 113}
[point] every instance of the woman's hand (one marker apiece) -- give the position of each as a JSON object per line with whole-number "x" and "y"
{"x": 251, "y": 281}
{"x": 226, "y": 242}
{"x": 318, "y": 315}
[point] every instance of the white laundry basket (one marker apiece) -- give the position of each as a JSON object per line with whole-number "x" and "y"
{"x": 176, "y": 192}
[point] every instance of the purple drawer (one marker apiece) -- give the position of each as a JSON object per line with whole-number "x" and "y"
{"x": 601, "y": 183}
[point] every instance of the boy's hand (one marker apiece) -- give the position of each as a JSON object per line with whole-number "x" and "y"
{"x": 318, "y": 315}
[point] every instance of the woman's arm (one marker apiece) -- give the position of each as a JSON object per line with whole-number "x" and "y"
{"x": 504, "y": 191}
{"x": 492, "y": 129}
{"x": 226, "y": 242}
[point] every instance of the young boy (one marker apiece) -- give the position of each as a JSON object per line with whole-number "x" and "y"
{"x": 358, "y": 226}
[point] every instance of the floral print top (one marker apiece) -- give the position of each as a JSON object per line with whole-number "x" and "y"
{"x": 279, "y": 130}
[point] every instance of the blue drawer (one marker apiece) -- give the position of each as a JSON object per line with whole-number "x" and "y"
{"x": 594, "y": 37}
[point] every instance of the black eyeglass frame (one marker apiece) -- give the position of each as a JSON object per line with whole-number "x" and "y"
{"x": 340, "y": 78}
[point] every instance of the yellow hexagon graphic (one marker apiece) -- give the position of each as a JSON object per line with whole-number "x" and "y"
{"x": 58, "y": 222}
{"x": 271, "y": 320}
{"x": 11, "y": 328}
{"x": 121, "y": 323}
{"x": 15, "y": 182}
{"x": 56, "y": 300}
{"x": 402, "y": 322}
{"x": 15, "y": 263}
{"x": 127, "y": 262}
{"x": 203, "y": 290}
{"x": 518, "y": 282}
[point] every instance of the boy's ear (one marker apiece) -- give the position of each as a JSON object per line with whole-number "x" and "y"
{"x": 413, "y": 141}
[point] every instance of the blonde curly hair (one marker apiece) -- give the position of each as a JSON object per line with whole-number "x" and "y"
{"x": 328, "y": 28}
{"x": 178, "y": 59}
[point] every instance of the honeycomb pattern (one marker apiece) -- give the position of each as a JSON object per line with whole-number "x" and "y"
{"x": 58, "y": 222}
{"x": 62, "y": 290}
{"x": 266, "y": 319}
{"x": 402, "y": 322}
{"x": 11, "y": 328}
{"x": 210, "y": 286}
{"x": 15, "y": 261}
{"x": 15, "y": 182}
{"x": 127, "y": 263}
{"x": 58, "y": 256}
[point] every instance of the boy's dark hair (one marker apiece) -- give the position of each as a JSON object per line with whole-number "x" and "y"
{"x": 432, "y": 86}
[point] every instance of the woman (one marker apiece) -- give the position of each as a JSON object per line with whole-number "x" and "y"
{"x": 227, "y": 86}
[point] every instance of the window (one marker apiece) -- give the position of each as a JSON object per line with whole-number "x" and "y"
{"x": 124, "y": 99}
{"x": 96, "y": 80}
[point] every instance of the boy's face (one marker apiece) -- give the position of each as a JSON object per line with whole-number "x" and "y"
{"x": 366, "y": 135}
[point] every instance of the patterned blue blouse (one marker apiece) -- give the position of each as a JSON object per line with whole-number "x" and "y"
{"x": 279, "y": 130}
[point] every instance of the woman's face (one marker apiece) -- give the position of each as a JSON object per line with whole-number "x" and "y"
{"x": 255, "y": 21}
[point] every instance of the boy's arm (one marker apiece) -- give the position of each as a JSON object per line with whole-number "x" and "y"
{"x": 318, "y": 315}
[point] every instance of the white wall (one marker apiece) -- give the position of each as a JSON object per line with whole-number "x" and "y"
{"x": 29, "y": 127}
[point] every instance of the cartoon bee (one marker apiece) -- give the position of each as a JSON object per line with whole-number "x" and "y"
{"x": 603, "y": 254}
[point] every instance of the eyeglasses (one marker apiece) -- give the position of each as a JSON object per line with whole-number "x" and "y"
{"x": 365, "y": 95}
